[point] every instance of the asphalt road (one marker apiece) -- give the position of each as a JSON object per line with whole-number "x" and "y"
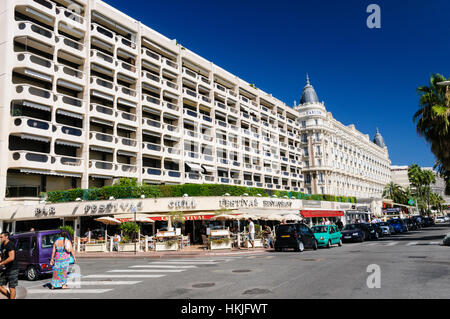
{"x": 412, "y": 265}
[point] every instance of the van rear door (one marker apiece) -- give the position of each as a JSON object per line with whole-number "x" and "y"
{"x": 23, "y": 252}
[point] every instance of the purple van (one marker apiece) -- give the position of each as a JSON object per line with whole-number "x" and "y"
{"x": 34, "y": 251}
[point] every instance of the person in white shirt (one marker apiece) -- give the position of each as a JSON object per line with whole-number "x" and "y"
{"x": 251, "y": 232}
{"x": 116, "y": 241}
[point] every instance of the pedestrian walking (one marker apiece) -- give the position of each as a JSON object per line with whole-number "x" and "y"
{"x": 116, "y": 240}
{"x": 268, "y": 235}
{"x": 9, "y": 268}
{"x": 61, "y": 257}
{"x": 251, "y": 232}
{"x": 339, "y": 224}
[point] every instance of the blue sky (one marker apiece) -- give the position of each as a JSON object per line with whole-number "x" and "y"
{"x": 367, "y": 77}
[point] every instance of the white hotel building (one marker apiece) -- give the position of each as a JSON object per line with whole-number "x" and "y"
{"x": 92, "y": 96}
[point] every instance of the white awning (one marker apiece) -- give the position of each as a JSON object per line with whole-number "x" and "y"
{"x": 159, "y": 48}
{"x": 170, "y": 95}
{"x": 170, "y": 116}
{"x": 126, "y": 127}
{"x": 150, "y": 87}
{"x": 171, "y": 138}
{"x": 37, "y": 106}
{"x": 101, "y": 43}
{"x": 38, "y": 75}
{"x": 194, "y": 167}
{"x": 125, "y": 53}
{"x": 99, "y": 121}
{"x": 101, "y": 176}
{"x": 209, "y": 169}
{"x": 150, "y": 110}
{"x": 126, "y": 102}
{"x": 37, "y": 171}
{"x": 72, "y": 144}
{"x": 103, "y": 95}
{"x": 145, "y": 132}
{"x": 70, "y": 85}
{"x": 125, "y": 153}
{"x": 101, "y": 149}
{"x": 70, "y": 114}
{"x": 35, "y": 138}
{"x": 125, "y": 78}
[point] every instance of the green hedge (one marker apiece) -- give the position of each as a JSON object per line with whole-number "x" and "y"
{"x": 156, "y": 191}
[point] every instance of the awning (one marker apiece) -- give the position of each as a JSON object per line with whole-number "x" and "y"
{"x": 35, "y": 138}
{"x": 150, "y": 87}
{"x": 72, "y": 144}
{"x": 150, "y": 110}
{"x": 125, "y": 78}
{"x": 209, "y": 169}
{"x": 170, "y": 116}
{"x": 125, "y": 153}
{"x": 126, "y": 102}
{"x": 101, "y": 149}
{"x": 159, "y": 48}
{"x": 101, "y": 176}
{"x": 194, "y": 167}
{"x": 70, "y": 114}
{"x": 170, "y": 95}
{"x": 125, "y": 53}
{"x": 321, "y": 213}
{"x": 101, "y": 43}
{"x": 156, "y": 134}
{"x": 38, "y": 75}
{"x": 171, "y": 138}
{"x": 37, "y": 106}
{"x": 111, "y": 23}
{"x": 103, "y": 122}
{"x": 37, "y": 171}
{"x": 102, "y": 95}
{"x": 126, "y": 127}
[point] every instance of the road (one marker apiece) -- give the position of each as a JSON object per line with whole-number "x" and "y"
{"x": 412, "y": 265}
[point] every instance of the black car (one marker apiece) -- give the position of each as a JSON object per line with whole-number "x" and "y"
{"x": 411, "y": 224}
{"x": 428, "y": 221}
{"x": 371, "y": 232}
{"x": 297, "y": 236}
{"x": 353, "y": 232}
{"x": 378, "y": 229}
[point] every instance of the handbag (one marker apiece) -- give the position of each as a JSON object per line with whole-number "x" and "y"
{"x": 67, "y": 248}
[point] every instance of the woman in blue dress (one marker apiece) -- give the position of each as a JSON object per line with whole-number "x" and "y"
{"x": 62, "y": 250}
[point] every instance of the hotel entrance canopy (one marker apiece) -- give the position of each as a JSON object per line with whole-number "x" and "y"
{"x": 321, "y": 213}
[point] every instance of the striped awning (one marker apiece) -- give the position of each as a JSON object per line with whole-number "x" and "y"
{"x": 37, "y": 171}
{"x": 35, "y": 138}
{"x": 72, "y": 144}
{"x": 37, "y": 106}
{"x": 101, "y": 149}
{"x": 70, "y": 114}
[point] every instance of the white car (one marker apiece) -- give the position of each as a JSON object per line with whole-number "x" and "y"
{"x": 447, "y": 219}
{"x": 439, "y": 220}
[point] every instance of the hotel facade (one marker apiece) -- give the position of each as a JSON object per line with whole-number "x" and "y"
{"x": 89, "y": 95}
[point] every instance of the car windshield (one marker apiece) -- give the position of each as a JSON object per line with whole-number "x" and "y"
{"x": 384, "y": 224}
{"x": 320, "y": 229}
{"x": 352, "y": 227}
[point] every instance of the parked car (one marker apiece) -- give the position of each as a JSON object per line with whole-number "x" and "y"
{"x": 353, "y": 232}
{"x": 411, "y": 224}
{"x": 297, "y": 236}
{"x": 439, "y": 220}
{"x": 378, "y": 229}
{"x": 386, "y": 228}
{"x": 447, "y": 218}
{"x": 34, "y": 251}
{"x": 327, "y": 235}
{"x": 399, "y": 225}
{"x": 370, "y": 230}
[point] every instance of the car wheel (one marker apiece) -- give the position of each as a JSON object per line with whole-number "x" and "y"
{"x": 363, "y": 237}
{"x": 315, "y": 245}
{"x": 31, "y": 273}
{"x": 301, "y": 247}
{"x": 277, "y": 249}
{"x": 340, "y": 242}
{"x": 328, "y": 244}
{"x": 377, "y": 236}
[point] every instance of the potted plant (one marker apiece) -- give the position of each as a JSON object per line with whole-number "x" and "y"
{"x": 129, "y": 229}
{"x": 169, "y": 244}
{"x": 220, "y": 243}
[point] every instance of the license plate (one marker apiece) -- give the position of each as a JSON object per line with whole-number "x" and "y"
{"x": 285, "y": 236}
{"x": 347, "y": 236}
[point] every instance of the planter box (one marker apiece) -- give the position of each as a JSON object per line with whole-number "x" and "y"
{"x": 128, "y": 247}
{"x": 95, "y": 248}
{"x": 163, "y": 247}
{"x": 220, "y": 246}
{"x": 258, "y": 243}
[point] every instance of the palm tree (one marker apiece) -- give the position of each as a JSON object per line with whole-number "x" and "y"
{"x": 395, "y": 192}
{"x": 433, "y": 118}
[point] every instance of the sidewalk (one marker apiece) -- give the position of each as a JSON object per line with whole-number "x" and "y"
{"x": 191, "y": 251}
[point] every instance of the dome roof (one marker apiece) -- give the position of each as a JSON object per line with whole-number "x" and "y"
{"x": 309, "y": 94}
{"x": 378, "y": 139}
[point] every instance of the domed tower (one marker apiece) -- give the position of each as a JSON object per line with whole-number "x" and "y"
{"x": 378, "y": 139}
{"x": 309, "y": 95}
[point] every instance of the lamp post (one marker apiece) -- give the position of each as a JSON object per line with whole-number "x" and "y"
{"x": 134, "y": 210}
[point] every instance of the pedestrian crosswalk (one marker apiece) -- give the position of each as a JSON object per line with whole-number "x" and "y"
{"x": 400, "y": 243}
{"x": 132, "y": 275}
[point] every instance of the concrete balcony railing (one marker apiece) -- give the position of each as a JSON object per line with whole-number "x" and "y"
{"x": 102, "y": 139}
{"x": 103, "y": 34}
{"x": 151, "y": 125}
{"x": 127, "y": 69}
{"x": 103, "y": 59}
{"x": 127, "y": 93}
{"x": 102, "y": 168}
{"x": 102, "y": 112}
{"x": 150, "y": 100}
{"x": 171, "y": 175}
{"x": 71, "y": 74}
{"x": 126, "y": 44}
{"x": 32, "y": 126}
{"x": 126, "y": 118}
{"x": 32, "y": 30}
{"x": 44, "y": 6}
{"x": 127, "y": 170}
{"x": 127, "y": 144}
{"x": 35, "y": 62}
{"x": 102, "y": 85}
{"x": 69, "y": 103}
{"x": 151, "y": 78}
{"x": 33, "y": 94}
{"x": 172, "y": 65}
{"x": 69, "y": 45}
{"x": 190, "y": 74}
{"x": 151, "y": 148}
{"x": 71, "y": 18}
{"x": 74, "y": 134}
{"x": 28, "y": 159}
{"x": 152, "y": 56}
{"x": 171, "y": 86}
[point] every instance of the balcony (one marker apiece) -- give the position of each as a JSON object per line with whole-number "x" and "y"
{"x": 151, "y": 148}
{"x": 101, "y": 167}
{"x": 31, "y": 93}
{"x": 102, "y": 112}
{"x": 71, "y": 19}
{"x": 190, "y": 114}
{"x": 127, "y": 170}
{"x": 27, "y": 159}
{"x": 170, "y": 175}
{"x": 102, "y": 85}
{"x": 192, "y": 155}
{"x": 102, "y": 59}
{"x": 192, "y": 95}
{"x": 126, "y": 118}
{"x": 191, "y": 134}
{"x": 149, "y": 100}
{"x": 71, "y": 74}
{"x": 172, "y": 108}
{"x": 69, "y": 103}
{"x": 127, "y": 93}
{"x": 126, "y": 45}
{"x": 70, "y": 133}
{"x": 204, "y": 99}
{"x": 172, "y": 65}
{"x": 152, "y": 56}
{"x": 30, "y": 29}
{"x": 102, "y": 139}
{"x": 193, "y": 177}
{"x": 151, "y": 125}
{"x": 126, "y": 144}
{"x": 37, "y": 63}
{"x": 174, "y": 130}
{"x": 127, "y": 69}
{"x": 44, "y": 6}
{"x": 28, "y": 125}
{"x": 103, "y": 34}
{"x": 69, "y": 45}
{"x": 190, "y": 74}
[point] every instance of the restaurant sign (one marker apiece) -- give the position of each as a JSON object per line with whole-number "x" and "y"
{"x": 248, "y": 203}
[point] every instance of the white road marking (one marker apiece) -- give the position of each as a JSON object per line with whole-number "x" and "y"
{"x": 412, "y": 243}
{"x": 163, "y": 266}
{"x": 147, "y": 270}
{"x": 433, "y": 243}
{"x": 123, "y": 276}
{"x": 392, "y": 244}
{"x": 372, "y": 244}
{"x": 67, "y": 291}
{"x": 103, "y": 282}
{"x": 183, "y": 262}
